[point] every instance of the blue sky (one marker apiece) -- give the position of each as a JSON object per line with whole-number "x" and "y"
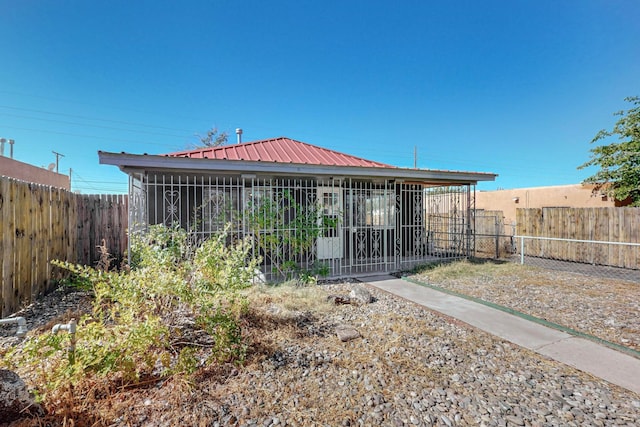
{"x": 518, "y": 88}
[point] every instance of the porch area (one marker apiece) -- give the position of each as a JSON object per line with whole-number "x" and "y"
{"x": 328, "y": 226}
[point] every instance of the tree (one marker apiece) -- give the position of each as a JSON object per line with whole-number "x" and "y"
{"x": 619, "y": 162}
{"x": 212, "y": 138}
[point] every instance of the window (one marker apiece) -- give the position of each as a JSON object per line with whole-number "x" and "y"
{"x": 256, "y": 196}
{"x": 381, "y": 208}
{"x": 217, "y": 208}
{"x": 372, "y": 208}
{"x": 261, "y": 209}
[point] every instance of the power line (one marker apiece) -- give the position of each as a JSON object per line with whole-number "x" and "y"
{"x": 89, "y": 136}
{"x": 105, "y": 182}
{"x": 91, "y": 125}
{"x": 88, "y": 185}
{"x": 93, "y": 118}
{"x": 91, "y": 105}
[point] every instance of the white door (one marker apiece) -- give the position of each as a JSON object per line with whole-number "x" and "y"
{"x": 330, "y": 238}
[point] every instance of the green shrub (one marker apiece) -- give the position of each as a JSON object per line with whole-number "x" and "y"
{"x": 221, "y": 267}
{"x": 129, "y": 335}
{"x": 159, "y": 245}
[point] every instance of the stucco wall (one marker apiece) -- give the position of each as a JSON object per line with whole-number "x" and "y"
{"x": 26, "y": 172}
{"x": 574, "y": 196}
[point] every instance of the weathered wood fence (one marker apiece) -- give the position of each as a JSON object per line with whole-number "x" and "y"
{"x": 621, "y": 224}
{"x": 493, "y": 238}
{"x": 39, "y": 224}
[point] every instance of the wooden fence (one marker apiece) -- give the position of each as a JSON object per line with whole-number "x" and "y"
{"x": 493, "y": 238}
{"x": 621, "y": 224}
{"x": 39, "y": 224}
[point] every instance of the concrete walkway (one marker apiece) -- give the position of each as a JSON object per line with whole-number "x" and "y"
{"x": 611, "y": 365}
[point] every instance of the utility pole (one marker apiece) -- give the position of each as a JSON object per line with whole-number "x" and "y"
{"x": 58, "y": 155}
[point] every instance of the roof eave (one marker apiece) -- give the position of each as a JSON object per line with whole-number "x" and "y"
{"x": 130, "y": 163}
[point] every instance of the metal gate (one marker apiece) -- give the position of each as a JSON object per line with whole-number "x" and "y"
{"x": 370, "y": 228}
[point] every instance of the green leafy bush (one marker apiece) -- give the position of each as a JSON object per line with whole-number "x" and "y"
{"x": 159, "y": 245}
{"x": 133, "y": 331}
{"x": 221, "y": 267}
{"x": 280, "y": 224}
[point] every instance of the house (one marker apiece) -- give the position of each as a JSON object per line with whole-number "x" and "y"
{"x": 366, "y": 216}
{"x": 12, "y": 168}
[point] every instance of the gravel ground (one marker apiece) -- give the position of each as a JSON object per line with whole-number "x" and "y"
{"x": 410, "y": 367}
{"x": 605, "y": 308}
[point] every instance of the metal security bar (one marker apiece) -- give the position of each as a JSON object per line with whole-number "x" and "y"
{"x": 337, "y": 226}
{"x": 448, "y": 222}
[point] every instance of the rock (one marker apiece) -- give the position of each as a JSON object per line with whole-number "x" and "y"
{"x": 446, "y": 420}
{"x": 518, "y": 421}
{"x": 360, "y": 295}
{"x": 339, "y": 299}
{"x": 566, "y": 392}
{"x": 347, "y": 333}
{"x": 258, "y": 277}
{"x": 14, "y": 396}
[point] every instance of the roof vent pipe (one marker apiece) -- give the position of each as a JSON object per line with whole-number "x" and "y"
{"x": 239, "y": 133}
{"x": 2, "y": 141}
{"x": 11, "y": 142}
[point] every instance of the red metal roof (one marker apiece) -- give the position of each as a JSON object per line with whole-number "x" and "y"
{"x": 281, "y": 150}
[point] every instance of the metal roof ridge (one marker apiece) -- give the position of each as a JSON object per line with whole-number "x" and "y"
{"x": 324, "y": 154}
{"x": 341, "y": 153}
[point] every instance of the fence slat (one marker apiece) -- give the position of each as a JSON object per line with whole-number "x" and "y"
{"x": 39, "y": 224}
{"x": 8, "y": 240}
{"x": 23, "y": 245}
{"x": 612, "y": 224}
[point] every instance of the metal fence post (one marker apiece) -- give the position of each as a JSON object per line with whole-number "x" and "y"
{"x": 521, "y": 250}
{"x": 497, "y": 232}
